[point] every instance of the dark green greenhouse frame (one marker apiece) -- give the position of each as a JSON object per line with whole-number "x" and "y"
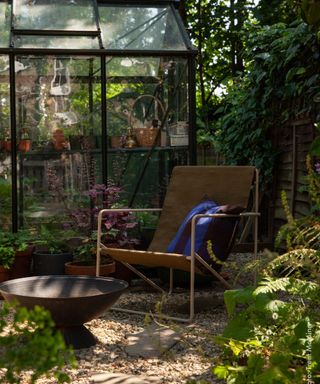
{"x": 20, "y": 35}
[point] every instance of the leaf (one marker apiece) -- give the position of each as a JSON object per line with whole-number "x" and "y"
{"x": 236, "y": 347}
{"x": 315, "y": 147}
{"x": 301, "y": 329}
{"x": 221, "y": 371}
{"x": 295, "y": 71}
{"x": 238, "y": 328}
{"x": 234, "y": 296}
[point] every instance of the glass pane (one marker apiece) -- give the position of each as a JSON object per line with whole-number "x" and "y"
{"x": 139, "y": 28}
{"x": 5, "y": 16}
{"x": 59, "y": 139}
{"x": 66, "y": 15}
{"x": 5, "y": 146}
{"x": 75, "y": 42}
{"x": 147, "y": 110}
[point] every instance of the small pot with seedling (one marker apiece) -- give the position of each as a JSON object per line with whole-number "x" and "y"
{"x": 52, "y": 251}
{"x": 84, "y": 260}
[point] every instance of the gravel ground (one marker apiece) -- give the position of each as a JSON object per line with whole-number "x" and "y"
{"x": 190, "y": 358}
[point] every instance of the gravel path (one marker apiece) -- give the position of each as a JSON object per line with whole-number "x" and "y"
{"x": 190, "y": 358}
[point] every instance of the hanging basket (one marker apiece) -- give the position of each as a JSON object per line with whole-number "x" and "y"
{"x": 146, "y": 136}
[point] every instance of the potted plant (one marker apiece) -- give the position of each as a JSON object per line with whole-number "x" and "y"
{"x": 25, "y": 142}
{"x": 84, "y": 260}
{"x": 23, "y": 246}
{"x": 117, "y": 227}
{"x": 147, "y": 225}
{"x": 52, "y": 251}
{"x": 20, "y": 264}
{"x": 6, "y": 260}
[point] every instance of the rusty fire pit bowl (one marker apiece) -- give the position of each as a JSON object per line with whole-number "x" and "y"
{"x": 72, "y": 301}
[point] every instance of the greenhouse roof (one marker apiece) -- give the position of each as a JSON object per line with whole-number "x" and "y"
{"x": 92, "y": 25}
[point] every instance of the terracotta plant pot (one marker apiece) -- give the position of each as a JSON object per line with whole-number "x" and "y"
{"x": 21, "y": 266}
{"x": 24, "y": 145}
{"x": 7, "y": 145}
{"x": 82, "y": 268}
{"x": 4, "y": 274}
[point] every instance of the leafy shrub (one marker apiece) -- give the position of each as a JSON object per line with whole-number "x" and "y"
{"x": 29, "y": 342}
{"x": 273, "y": 333}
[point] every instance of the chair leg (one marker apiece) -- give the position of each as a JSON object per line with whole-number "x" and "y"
{"x": 171, "y": 281}
{"x": 144, "y": 277}
{"x": 214, "y": 272}
{"x": 153, "y": 284}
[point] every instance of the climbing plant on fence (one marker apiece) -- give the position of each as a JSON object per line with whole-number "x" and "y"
{"x": 281, "y": 83}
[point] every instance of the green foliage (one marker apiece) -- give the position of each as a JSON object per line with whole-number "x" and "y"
{"x": 281, "y": 83}
{"x": 54, "y": 240}
{"x": 6, "y": 256}
{"x": 272, "y": 336}
{"x": 269, "y": 12}
{"x": 271, "y": 340}
{"x": 10, "y": 243}
{"x": 29, "y": 342}
{"x": 303, "y": 232}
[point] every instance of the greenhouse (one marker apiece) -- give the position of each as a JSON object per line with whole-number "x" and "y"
{"x": 91, "y": 91}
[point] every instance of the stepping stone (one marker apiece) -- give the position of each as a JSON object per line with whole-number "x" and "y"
{"x": 152, "y": 341}
{"x": 120, "y": 378}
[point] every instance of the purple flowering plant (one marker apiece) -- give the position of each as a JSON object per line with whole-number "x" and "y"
{"x": 117, "y": 226}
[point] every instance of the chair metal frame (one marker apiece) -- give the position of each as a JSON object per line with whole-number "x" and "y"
{"x": 254, "y": 214}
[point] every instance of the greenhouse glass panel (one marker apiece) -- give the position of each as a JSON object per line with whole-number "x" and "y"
{"x": 140, "y": 27}
{"x": 66, "y": 15}
{"x": 147, "y": 124}
{"x": 58, "y": 118}
{"x": 5, "y": 146}
{"x": 75, "y": 42}
{"x": 5, "y": 16}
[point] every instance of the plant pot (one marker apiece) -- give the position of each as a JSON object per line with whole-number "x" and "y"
{"x": 50, "y": 263}
{"x": 7, "y": 145}
{"x": 21, "y": 266}
{"x": 82, "y": 268}
{"x": 117, "y": 141}
{"x": 4, "y": 274}
{"x": 24, "y": 145}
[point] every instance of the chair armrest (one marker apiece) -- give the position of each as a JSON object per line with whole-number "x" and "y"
{"x": 255, "y": 215}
